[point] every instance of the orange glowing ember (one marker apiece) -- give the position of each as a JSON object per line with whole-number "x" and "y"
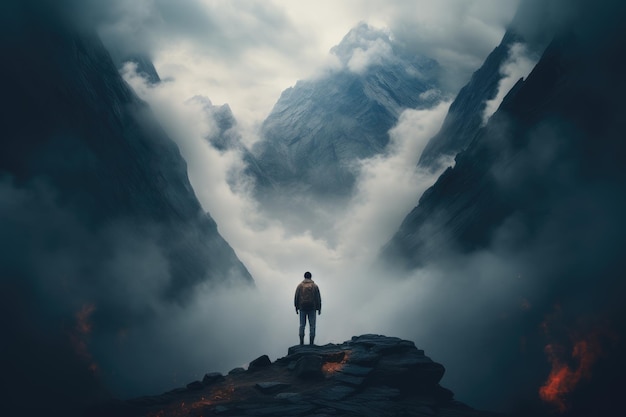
{"x": 563, "y": 378}
{"x": 187, "y": 408}
{"x": 83, "y": 323}
{"x": 332, "y": 367}
{"x": 82, "y": 330}
{"x": 222, "y": 394}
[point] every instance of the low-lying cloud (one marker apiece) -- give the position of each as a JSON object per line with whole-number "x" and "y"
{"x": 459, "y": 312}
{"x": 246, "y": 55}
{"x": 340, "y": 258}
{"x": 483, "y": 302}
{"x": 518, "y": 65}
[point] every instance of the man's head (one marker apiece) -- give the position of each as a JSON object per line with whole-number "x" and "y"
{"x": 307, "y": 275}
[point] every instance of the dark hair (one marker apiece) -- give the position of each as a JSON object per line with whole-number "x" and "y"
{"x": 307, "y": 274}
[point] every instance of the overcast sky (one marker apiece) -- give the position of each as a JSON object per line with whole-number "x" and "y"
{"x": 245, "y": 52}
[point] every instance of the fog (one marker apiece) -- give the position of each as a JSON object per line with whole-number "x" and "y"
{"x": 356, "y": 299}
{"x": 476, "y": 314}
{"x": 247, "y": 55}
{"x": 518, "y": 65}
{"x": 467, "y": 313}
{"x": 429, "y": 306}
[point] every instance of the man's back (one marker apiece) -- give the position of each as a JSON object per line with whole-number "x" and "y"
{"x": 308, "y": 296}
{"x": 306, "y": 301}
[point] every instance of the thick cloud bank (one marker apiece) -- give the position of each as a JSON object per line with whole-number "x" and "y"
{"x": 245, "y": 56}
{"x": 340, "y": 258}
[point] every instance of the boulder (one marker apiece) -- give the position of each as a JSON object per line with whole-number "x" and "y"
{"x": 408, "y": 371}
{"x": 235, "y": 371}
{"x": 212, "y": 378}
{"x": 195, "y": 386}
{"x": 309, "y": 367}
{"x": 271, "y": 387}
{"x": 362, "y": 356}
{"x": 259, "y": 363}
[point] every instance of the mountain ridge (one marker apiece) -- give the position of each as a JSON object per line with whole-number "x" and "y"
{"x": 102, "y": 230}
{"x": 539, "y": 97}
{"x": 464, "y": 117}
{"x": 319, "y": 128}
{"x": 539, "y": 194}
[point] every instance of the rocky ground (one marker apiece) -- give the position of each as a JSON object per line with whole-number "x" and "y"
{"x": 370, "y": 375}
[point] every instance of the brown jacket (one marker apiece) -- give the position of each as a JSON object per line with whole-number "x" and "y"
{"x": 317, "y": 298}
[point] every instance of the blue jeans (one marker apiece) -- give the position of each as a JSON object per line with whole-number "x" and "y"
{"x": 303, "y": 316}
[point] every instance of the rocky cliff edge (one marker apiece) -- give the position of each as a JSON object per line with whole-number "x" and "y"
{"x": 370, "y": 375}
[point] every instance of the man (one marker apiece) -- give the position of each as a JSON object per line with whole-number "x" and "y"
{"x": 306, "y": 301}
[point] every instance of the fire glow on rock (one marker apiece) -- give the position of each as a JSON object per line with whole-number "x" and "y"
{"x": 82, "y": 331}
{"x": 569, "y": 365}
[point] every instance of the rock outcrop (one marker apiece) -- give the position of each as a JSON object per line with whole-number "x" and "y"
{"x": 370, "y": 375}
{"x": 464, "y": 117}
{"x": 321, "y": 127}
{"x": 548, "y": 141}
{"x": 76, "y": 126}
{"x": 96, "y": 209}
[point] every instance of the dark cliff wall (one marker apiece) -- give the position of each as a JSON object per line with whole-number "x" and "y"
{"x": 464, "y": 117}
{"x": 71, "y": 122}
{"x": 99, "y": 223}
{"x": 556, "y": 133}
{"x": 542, "y": 189}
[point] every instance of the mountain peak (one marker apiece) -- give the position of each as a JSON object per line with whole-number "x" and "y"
{"x": 366, "y": 376}
{"x": 365, "y": 47}
{"x": 363, "y": 39}
{"x": 319, "y": 129}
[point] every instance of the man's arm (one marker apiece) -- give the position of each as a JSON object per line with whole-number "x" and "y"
{"x": 296, "y": 297}
{"x": 318, "y": 297}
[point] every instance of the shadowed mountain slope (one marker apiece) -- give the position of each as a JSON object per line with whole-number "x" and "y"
{"x": 539, "y": 194}
{"x": 100, "y": 225}
{"x": 555, "y": 134}
{"x": 320, "y": 128}
{"x": 465, "y": 115}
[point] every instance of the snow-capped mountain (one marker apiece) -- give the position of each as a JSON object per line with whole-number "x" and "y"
{"x": 321, "y": 127}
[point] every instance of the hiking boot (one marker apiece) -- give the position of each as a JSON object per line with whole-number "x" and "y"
{"x": 311, "y": 340}
{"x": 301, "y": 340}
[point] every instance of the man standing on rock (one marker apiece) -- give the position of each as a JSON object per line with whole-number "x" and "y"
{"x": 306, "y": 301}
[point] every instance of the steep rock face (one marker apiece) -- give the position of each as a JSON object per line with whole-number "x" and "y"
{"x": 223, "y": 136}
{"x": 555, "y": 134}
{"x": 145, "y": 67}
{"x": 464, "y": 117}
{"x": 540, "y": 191}
{"x": 369, "y": 375}
{"x": 100, "y": 225}
{"x": 74, "y": 124}
{"x": 320, "y": 127}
